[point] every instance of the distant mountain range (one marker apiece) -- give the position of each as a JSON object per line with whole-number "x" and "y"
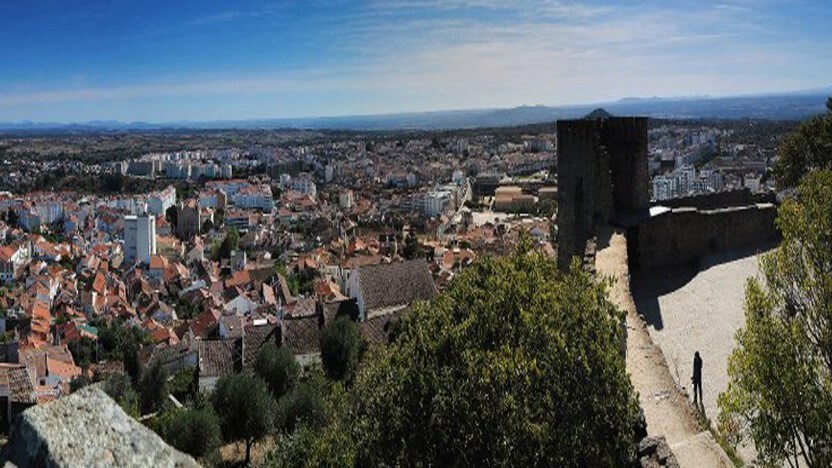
{"x": 782, "y": 106}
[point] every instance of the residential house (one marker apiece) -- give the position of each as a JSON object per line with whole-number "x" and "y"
{"x": 13, "y": 258}
{"x": 390, "y": 287}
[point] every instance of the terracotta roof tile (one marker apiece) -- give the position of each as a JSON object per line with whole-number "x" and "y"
{"x": 301, "y": 335}
{"x": 395, "y": 284}
{"x": 216, "y": 357}
{"x": 377, "y": 329}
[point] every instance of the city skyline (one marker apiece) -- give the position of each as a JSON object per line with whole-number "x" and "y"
{"x": 222, "y": 60}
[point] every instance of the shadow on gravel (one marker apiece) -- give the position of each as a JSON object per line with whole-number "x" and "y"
{"x": 648, "y": 286}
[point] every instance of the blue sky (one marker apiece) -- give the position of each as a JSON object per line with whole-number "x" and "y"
{"x": 65, "y": 60}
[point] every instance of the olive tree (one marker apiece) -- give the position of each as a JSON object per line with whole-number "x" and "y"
{"x": 246, "y": 409}
{"x": 780, "y": 390}
{"x": 194, "y": 431}
{"x": 277, "y": 367}
{"x": 514, "y": 364}
{"x": 807, "y": 149}
{"x": 342, "y": 346}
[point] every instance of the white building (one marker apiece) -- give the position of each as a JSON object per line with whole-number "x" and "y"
{"x": 687, "y": 174}
{"x": 436, "y": 202}
{"x": 139, "y": 238}
{"x": 663, "y": 188}
{"x": 178, "y": 170}
{"x": 12, "y": 259}
{"x": 346, "y": 200}
{"x": 259, "y": 197}
{"x": 329, "y": 173}
{"x": 752, "y": 182}
{"x": 304, "y": 186}
{"x": 159, "y": 202}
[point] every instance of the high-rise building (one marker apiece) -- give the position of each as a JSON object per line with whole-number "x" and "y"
{"x": 139, "y": 238}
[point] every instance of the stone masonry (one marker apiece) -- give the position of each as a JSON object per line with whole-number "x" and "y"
{"x": 86, "y": 429}
{"x": 602, "y": 172}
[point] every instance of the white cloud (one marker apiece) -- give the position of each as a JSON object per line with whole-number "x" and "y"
{"x": 527, "y": 52}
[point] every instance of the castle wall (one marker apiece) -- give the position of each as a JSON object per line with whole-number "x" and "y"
{"x": 625, "y": 139}
{"x": 602, "y": 170}
{"x": 712, "y": 201}
{"x": 580, "y": 197}
{"x": 683, "y": 235}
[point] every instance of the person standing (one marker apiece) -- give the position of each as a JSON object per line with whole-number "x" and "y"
{"x": 697, "y": 378}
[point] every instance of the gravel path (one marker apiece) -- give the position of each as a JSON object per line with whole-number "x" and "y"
{"x": 665, "y": 407}
{"x": 699, "y": 309}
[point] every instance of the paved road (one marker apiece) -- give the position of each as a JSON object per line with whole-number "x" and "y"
{"x": 440, "y": 231}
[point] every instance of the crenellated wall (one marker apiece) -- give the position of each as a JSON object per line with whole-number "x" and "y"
{"x": 682, "y": 235}
{"x": 712, "y": 201}
{"x": 603, "y": 177}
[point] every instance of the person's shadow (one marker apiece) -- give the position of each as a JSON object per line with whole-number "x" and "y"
{"x": 700, "y": 408}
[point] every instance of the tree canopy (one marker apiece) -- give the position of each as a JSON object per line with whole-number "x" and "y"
{"x": 810, "y": 147}
{"x": 341, "y": 348}
{"x": 120, "y": 388}
{"x": 411, "y": 246}
{"x": 229, "y": 244}
{"x": 514, "y": 364}
{"x": 303, "y": 406}
{"x": 194, "y": 431}
{"x": 278, "y": 368}
{"x": 246, "y": 409}
{"x": 153, "y": 388}
{"x": 780, "y": 389}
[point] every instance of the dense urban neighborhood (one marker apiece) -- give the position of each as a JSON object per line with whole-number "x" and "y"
{"x": 176, "y": 269}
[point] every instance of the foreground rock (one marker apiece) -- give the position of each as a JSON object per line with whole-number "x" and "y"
{"x": 654, "y": 452}
{"x": 88, "y": 429}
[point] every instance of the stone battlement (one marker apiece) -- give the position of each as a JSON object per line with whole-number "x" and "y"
{"x": 602, "y": 170}
{"x": 602, "y": 176}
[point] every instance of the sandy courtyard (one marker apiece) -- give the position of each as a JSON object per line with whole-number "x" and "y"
{"x": 691, "y": 309}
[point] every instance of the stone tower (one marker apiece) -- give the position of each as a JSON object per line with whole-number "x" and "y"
{"x": 602, "y": 172}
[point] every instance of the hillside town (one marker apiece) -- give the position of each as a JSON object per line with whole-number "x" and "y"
{"x": 214, "y": 264}
{"x": 201, "y": 259}
{"x": 208, "y": 261}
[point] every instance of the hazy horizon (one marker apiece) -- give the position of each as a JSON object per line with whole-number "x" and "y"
{"x": 208, "y": 61}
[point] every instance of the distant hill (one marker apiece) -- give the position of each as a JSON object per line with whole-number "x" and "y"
{"x": 784, "y": 106}
{"x": 598, "y": 113}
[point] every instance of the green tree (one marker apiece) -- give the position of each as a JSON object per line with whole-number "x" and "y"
{"x": 171, "y": 215}
{"x": 808, "y": 148}
{"x": 83, "y": 351}
{"x": 120, "y": 389}
{"x": 514, "y": 364}
{"x": 829, "y": 105}
{"x": 186, "y": 309}
{"x": 78, "y": 383}
{"x": 278, "y": 368}
{"x": 230, "y": 243}
{"x": 153, "y": 388}
{"x": 411, "y": 246}
{"x": 219, "y": 217}
{"x": 342, "y": 346}
{"x": 780, "y": 390}
{"x": 183, "y": 385}
{"x": 207, "y": 226}
{"x": 246, "y": 409}
{"x": 303, "y": 406}
{"x": 194, "y": 431}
